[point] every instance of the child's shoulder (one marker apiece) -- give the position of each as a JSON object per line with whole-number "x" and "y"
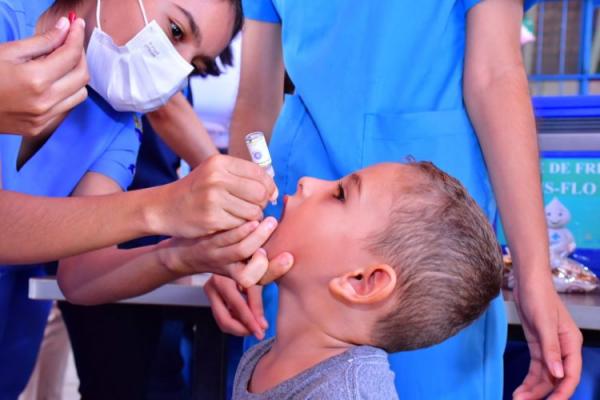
{"x": 362, "y": 372}
{"x": 367, "y": 374}
{"x": 250, "y": 359}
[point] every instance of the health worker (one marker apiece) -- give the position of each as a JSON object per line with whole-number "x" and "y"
{"x": 139, "y": 54}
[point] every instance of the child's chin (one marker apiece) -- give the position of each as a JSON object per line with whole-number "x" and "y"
{"x": 285, "y": 279}
{"x": 273, "y": 246}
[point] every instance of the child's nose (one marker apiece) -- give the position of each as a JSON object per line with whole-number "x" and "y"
{"x": 309, "y": 186}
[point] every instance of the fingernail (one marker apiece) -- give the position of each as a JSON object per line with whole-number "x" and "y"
{"x": 271, "y": 222}
{"x": 274, "y": 196}
{"x": 62, "y": 23}
{"x": 517, "y": 391}
{"x": 264, "y": 322}
{"x": 557, "y": 369}
{"x": 288, "y": 260}
{"x": 260, "y": 335}
{"x": 262, "y": 251}
{"x": 520, "y": 394}
{"x": 81, "y": 22}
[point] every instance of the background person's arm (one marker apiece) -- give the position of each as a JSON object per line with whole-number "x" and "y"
{"x": 178, "y": 125}
{"x": 260, "y": 94}
{"x": 41, "y": 78}
{"x": 497, "y": 98}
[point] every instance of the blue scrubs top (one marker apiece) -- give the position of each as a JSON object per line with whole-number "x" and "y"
{"x": 379, "y": 81}
{"x": 92, "y": 138}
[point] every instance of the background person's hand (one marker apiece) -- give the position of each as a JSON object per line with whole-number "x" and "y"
{"x": 42, "y": 77}
{"x": 236, "y": 313}
{"x": 554, "y": 343}
{"x": 220, "y": 194}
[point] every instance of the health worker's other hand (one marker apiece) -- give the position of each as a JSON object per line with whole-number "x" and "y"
{"x": 237, "y": 313}
{"x": 554, "y": 343}
{"x": 236, "y": 253}
{"x": 220, "y": 194}
{"x": 42, "y": 77}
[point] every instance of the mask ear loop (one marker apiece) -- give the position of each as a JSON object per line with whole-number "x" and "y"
{"x": 143, "y": 12}
{"x": 98, "y": 14}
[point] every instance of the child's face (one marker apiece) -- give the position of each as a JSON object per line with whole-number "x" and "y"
{"x": 325, "y": 224}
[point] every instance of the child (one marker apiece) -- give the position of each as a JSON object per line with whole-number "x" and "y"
{"x": 392, "y": 258}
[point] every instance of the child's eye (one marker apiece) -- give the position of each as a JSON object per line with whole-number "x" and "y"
{"x": 176, "y": 31}
{"x": 340, "y": 195}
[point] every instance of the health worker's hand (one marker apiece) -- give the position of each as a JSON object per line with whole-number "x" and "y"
{"x": 42, "y": 77}
{"x": 236, "y": 313}
{"x": 554, "y": 342}
{"x": 220, "y": 194}
{"x": 236, "y": 253}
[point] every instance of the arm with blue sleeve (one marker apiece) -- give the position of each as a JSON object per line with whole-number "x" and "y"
{"x": 495, "y": 86}
{"x": 33, "y": 91}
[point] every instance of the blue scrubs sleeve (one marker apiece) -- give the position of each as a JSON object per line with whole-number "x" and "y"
{"x": 261, "y": 10}
{"x": 8, "y": 23}
{"x": 470, "y": 3}
{"x": 118, "y": 161}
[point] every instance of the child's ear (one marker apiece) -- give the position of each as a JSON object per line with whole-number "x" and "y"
{"x": 365, "y": 286}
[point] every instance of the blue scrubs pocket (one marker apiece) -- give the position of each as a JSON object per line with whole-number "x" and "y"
{"x": 444, "y": 137}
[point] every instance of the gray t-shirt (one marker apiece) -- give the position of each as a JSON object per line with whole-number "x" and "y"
{"x": 362, "y": 372}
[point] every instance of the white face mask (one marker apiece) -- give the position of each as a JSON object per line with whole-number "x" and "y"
{"x": 140, "y": 76}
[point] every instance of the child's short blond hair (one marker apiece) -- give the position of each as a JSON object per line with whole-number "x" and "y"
{"x": 447, "y": 259}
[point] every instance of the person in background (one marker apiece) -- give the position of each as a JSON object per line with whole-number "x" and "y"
{"x": 379, "y": 81}
{"x": 91, "y": 151}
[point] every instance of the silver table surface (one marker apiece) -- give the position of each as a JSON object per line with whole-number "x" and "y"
{"x": 171, "y": 294}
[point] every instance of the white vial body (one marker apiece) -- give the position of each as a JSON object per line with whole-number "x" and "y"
{"x": 259, "y": 151}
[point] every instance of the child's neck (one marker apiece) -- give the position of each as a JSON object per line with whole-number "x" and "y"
{"x": 300, "y": 344}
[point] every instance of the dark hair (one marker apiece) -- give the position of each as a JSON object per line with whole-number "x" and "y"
{"x": 447, "y": 259}
{"x": 226, "y": 57}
